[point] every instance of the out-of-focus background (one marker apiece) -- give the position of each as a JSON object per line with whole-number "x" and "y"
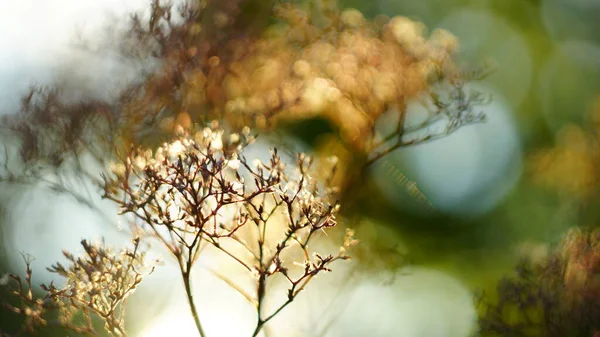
{"x": 523, "y": 177}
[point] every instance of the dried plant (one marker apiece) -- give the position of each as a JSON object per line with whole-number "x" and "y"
{"x": 96, "y": 287}
{"x": 200, "y": 190}
{"x": 220, "y": 60}
{"x": 225, "y": 60}
{"x": 316, "y": 61}
{"x": 554, "y": 294}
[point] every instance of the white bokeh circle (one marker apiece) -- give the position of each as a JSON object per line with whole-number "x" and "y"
{"x": 466, "y": 173}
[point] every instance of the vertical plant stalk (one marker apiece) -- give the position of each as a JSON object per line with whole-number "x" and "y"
{"x": 186, "y": 270}
{"x": 190, "y": 298}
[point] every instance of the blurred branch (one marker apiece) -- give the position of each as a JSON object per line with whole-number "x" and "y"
{"x": 457, "y": 112}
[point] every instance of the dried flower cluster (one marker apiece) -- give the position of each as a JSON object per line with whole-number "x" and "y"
{"x": 200, "y": 190}
{"x": 553, "y": 295}
{"x": 97, "y": 285}
{"x": 316, "y": 61}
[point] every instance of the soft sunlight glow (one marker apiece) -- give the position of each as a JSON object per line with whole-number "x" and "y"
{"x": 159, "y": 307}
{"x": 413, "y": 302}
{"x": 37, "y": 42}
{"x": 172, "y": 324}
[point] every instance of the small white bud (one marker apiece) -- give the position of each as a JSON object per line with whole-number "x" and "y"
{"x": 139, "y": 162}
{"x": 117, "y": 169}
{"x": 234, "y": 164}
{"x": 237, "y": 186}
{"x": 216, "y": 143}
{"x": 176, "y": 148}
{"x": 234, "y": 138}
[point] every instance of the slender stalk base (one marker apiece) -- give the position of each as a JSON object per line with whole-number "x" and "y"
{"x": 193, "y": 309}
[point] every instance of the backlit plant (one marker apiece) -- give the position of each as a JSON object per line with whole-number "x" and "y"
{"x": 181, "y": 178}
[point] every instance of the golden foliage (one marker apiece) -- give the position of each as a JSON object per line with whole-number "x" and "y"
{"x": 322, "y": 62}
{"x": 571, "y": 166}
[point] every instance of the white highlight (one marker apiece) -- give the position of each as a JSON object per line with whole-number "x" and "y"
{"x": 36, "y": 44}
{"x": 467, "y": 172}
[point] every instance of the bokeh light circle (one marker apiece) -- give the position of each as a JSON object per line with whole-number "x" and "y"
{"x": 466, "y": 173}
{"x": 571, "y": 19}
{"x": 568, "y": 83}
